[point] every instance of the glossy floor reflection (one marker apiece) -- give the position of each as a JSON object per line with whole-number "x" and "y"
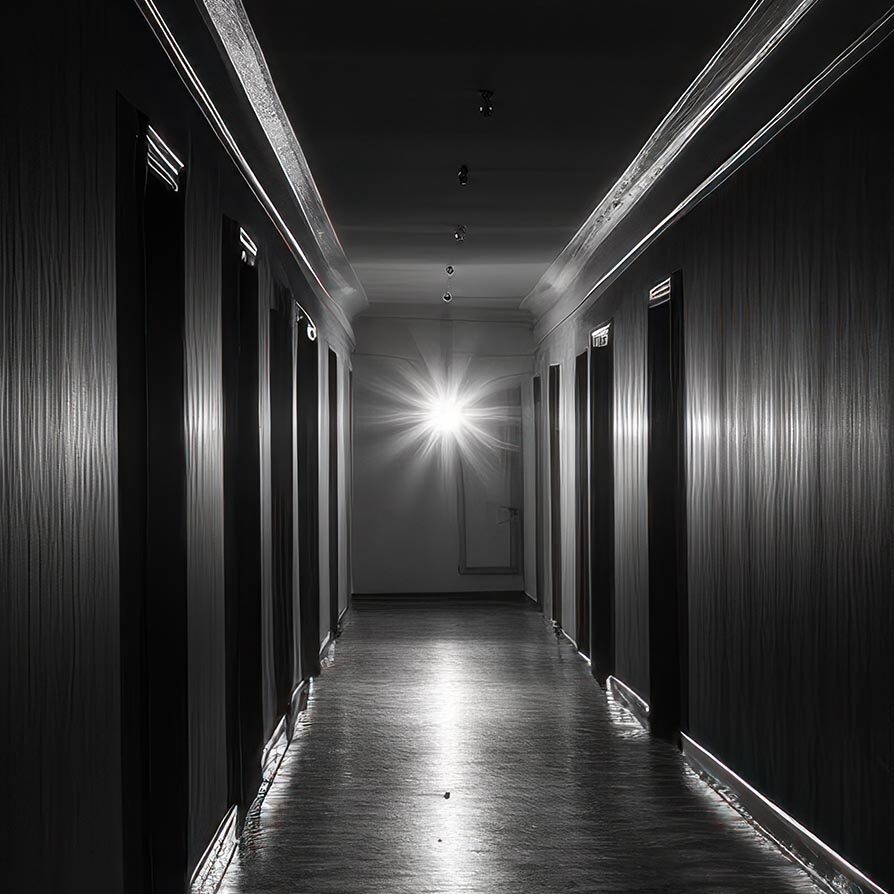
{"x": 552, "y": 789}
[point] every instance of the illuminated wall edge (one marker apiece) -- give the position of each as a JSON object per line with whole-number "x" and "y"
{"x": 196, "y": 88}
{"x": 630, "y": 699}
{"x": 212, "y": 866}
{"x": 216, "y": 859}
{"x": 826, "y": 866}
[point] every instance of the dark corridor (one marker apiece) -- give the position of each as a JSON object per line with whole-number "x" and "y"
{"x": 402, "y": 399}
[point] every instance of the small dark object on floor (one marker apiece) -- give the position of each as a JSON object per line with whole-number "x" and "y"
{"x": 439, "y": 841}
{"x": 446, "y": 794}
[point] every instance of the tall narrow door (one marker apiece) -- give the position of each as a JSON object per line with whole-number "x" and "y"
{"x": 555, "y": 497}
{"x": 152, "y": 512}
{"x": 308, "y": 498}
{"x": 582, "y": 502}
{"x": 668, "y": 610}
{"x": 602, "y": 503}
{"x": 334, "y": 567}
{"x": 240, "y": 325}
{"x": 538, "y": 488}
{"x": 282, "y": 406}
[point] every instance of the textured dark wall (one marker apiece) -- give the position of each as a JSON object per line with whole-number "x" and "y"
{"x": 58, "y": 494}
{"x": 787, "y": 279}
{"x": 59, "y": 609}
{"x": 204, "y": 445}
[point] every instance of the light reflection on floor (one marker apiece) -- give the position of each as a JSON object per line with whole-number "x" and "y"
{"x": 552, "y": 787}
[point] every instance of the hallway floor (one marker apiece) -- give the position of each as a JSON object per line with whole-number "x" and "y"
{"x": 552, "y": 788}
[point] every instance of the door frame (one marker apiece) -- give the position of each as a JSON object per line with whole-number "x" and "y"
{"x": 554, "y": 410}
{"x": 666, "y": 460}
{"x": 601, "y": 493}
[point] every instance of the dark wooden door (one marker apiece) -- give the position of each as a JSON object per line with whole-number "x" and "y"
{"x": 555, "y": 497}
{"x": 152, "y": 517}
{"x": 538, "y": 488}
{"x": 668, "y": 610}
{"x": 333, "y": 492}
{"x": 582, "y": 501}
{"x": 282, "y": 410}
{"x": 602, "y": 503}
{"x": 242, "y": 518}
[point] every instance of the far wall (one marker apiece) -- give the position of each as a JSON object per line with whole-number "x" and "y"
{"x": 405, "y": 522}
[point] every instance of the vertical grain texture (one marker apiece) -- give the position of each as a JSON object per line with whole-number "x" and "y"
{"x": 631, "y": 518}
{"x": 787, "y": 283}
{"x": 202, "y": 341}
{"x": 58, "y": 496}
{"x": 266, "y": 300}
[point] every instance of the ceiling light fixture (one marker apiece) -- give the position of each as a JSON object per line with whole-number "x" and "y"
{"x": 487, "y": 107}
{"x": 450, "y": 269}
{"x": 460, "y": 233}
{"x": 463, "y": 175}
{"x": 447, "y": 298}
{"x": 446, "y": 415}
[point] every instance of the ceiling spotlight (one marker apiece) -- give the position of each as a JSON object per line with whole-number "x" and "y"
{"x": 446, "y": 416}
{"x": 447, "y": 297}
{"x": 487, "y": 107}
{"x": 460, "y": 233}
{"x": 450, "y": 269}
{"x": 463, "y": 175}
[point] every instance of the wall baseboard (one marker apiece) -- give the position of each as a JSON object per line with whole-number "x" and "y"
{"x": 630, "y": 699}
{"x": 213, "y": 865}
{"x": 827, "y": 868}
{"x": 459, "y": 595}
{"x": 211, "y": 868}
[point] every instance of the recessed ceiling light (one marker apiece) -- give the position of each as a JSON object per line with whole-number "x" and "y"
{"x": 448, "y": 297}
{"x": 460, "y": 233}
{"x": 487, "y": 107}
{"x": 450, "y": 269}
{"x": 463, "y": 175}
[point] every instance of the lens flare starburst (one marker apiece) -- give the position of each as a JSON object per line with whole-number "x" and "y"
{"x": 447, "y": 414}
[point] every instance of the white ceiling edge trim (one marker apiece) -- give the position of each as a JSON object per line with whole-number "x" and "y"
{"x": 763, "y": 28}
{"x": 875, "y": 35}
{"x": 231, "y": 22}
{"x": 192, "y": 82}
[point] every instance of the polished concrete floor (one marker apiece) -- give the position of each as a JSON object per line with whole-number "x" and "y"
{"x": 552, "y": 788}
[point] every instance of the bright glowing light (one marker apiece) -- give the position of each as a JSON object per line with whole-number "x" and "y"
{"x": 448, "y": 412}
{"x": 447, "y": 415}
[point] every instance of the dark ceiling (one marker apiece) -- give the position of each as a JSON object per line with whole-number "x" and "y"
{"x": 384, "y": 99}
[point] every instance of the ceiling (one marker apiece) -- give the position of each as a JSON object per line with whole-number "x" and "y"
{"x": 384, "y": 100}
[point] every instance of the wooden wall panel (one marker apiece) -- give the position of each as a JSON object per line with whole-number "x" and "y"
{"x": 59, "y": 659}
{"x": 788, "y": 279}
{"x": 207, "y": 702}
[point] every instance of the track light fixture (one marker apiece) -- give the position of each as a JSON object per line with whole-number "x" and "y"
{"x": 460, "y": 233}
{"x": 450, "y": 269}
{"x": 447, "y": 297}
{"x": 463, "y": 175}
{"x": 487, "y": 107}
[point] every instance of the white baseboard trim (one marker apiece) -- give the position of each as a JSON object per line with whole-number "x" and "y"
{"x": 827, "y": 867}
{"x": 213, "y": 865}
{"x": 570, "y": 640}
{"x": 630, "y": 699}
